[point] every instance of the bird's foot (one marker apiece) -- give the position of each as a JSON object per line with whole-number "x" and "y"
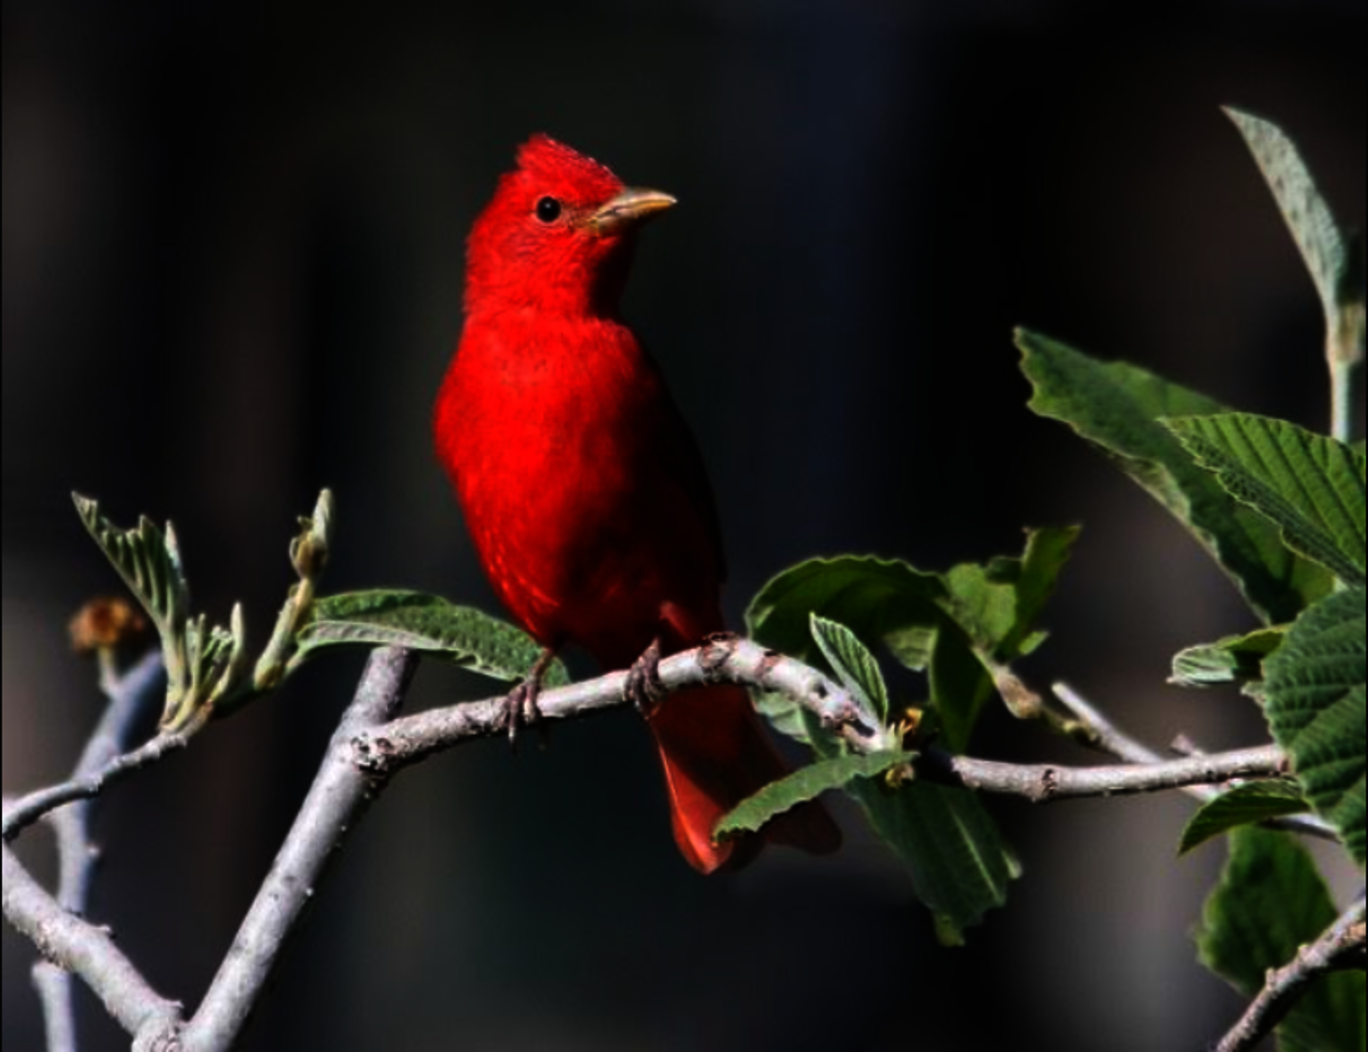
{"x": 520, "y": 706}
{"x": 643, "y": 687}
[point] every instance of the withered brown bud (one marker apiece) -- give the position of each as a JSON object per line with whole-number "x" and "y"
{"x": 105, "y": 623}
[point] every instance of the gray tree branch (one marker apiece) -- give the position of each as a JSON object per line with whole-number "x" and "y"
{"x": 1103, "y": 735}
{"x": 83, "y": 948}
{"x": 371, "y": 744}
{"x": 1341, "y": 946}
{"x": 131, "y": 695}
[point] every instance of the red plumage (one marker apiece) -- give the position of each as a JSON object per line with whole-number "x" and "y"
{"x": 580, "y": 482}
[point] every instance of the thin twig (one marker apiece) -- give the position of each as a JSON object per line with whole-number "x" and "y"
{"x": 23, "y": 812}
{"x": 130, "y": 694}
{"x": 1341, "y": 946}
{"x": 335, "y": 803}
{"x": 1097, "y": 730}
{"x": 1042, "y": 783}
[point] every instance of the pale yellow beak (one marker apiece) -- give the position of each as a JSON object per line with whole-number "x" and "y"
{"x": 628, "y": 209}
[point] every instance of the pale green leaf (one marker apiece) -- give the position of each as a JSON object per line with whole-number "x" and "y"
{"x": 1234, "y": 659}
{"x": 1329, "y": 255}
{"x": 854, "y": 665}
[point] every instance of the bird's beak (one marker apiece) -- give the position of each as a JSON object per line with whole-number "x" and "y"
{"x": 627, "y": 209}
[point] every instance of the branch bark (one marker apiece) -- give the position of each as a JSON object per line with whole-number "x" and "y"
{"x": 1096, "y": 730}
{"x": 80, "y": 947}
{"x": 334, "y": 805}
{"x": 388, "y": 747}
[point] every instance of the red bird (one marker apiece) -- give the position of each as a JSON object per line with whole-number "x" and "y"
{"x": 580, "y": 482}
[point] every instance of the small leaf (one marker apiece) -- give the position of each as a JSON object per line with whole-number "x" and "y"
{"x": 876, "y": 599}
{"x": 959, "y": 863}
{"x": 999, "y": 603}
{"x": 1117, "y": 406}
{"x": 996, "y": 605}
{"x": 147, "y": 559}
{"x": 1234, "y": 659}
{"x": 1271, "y": 900}
{"x": 461, "y": 634}
{"x": 804, "y": 784}
{"x": 1310, "y": 486}
{"x": 854, "y": 665}
{"x": 1245, "y": 804}
{"x": 1328, "y": 255}
{"x": 1314, "y": 697}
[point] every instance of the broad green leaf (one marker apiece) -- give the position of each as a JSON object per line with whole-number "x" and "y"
{"x": 1329, "y": 256}
{"x": 854, "y": 665}
{"x": 1271, "y": 899}
{"x": 1314, "y": 696}
{"x": 959, "y": 863}
{"x": 1247, "y": 803}
{"x": 1234, "y": 659}
{"x": 429, "y": 623}
{"x": 999, "y": 602}
{"x": 805, "y": 784}
{"x": 1117, "y": 407}
{"x": 872, "y": 597}
{"x": 1310, "y": 486}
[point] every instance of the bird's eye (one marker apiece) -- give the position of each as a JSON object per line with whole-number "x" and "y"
{"x": 548, "y": 209}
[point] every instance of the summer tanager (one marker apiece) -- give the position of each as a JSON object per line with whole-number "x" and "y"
{"x": 580, "y": 482}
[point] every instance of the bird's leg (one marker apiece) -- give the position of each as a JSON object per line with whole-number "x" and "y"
{"x": 643, "y": 687}
{"x": 521, "y": 703}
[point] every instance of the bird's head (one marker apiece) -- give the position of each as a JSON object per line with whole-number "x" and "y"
{"x": 557, "y": 235}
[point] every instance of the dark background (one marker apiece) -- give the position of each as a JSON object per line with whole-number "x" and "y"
{"x": 233, "y": 248}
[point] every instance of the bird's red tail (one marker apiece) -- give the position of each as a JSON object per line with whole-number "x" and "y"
{"x": 715, "y": 754}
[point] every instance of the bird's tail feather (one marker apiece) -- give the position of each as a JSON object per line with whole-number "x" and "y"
{"x": 715, "y": 754}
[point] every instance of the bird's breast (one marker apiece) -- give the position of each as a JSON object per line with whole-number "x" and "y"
{"x": 546, "y": 434}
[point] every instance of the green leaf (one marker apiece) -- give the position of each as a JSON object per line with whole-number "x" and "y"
{"x": 999, "y": 603}
{"x": 872, "y": 597}
{"x": 1245, "y": 804}
{"x": 1271, "y": 899}
{"x": 203, "y": 663}
{"x": 854, "y": 665}
{"x": 876, "y": 599}
{"x": 1328, "y": 254}
{"x": 1310, "y": 486}
{"x": 429, "y": 623}
{"x": 804, "y": 784}
{"x": 1234, "y": 659}
{"x": 1117, "y": 407}
{"x": 959, "y": 863}
{"x": 149, "y": 562}
{"x": 1314, "y": 696}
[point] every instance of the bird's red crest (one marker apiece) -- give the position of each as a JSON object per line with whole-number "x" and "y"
{"x": 557, "y": 167}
